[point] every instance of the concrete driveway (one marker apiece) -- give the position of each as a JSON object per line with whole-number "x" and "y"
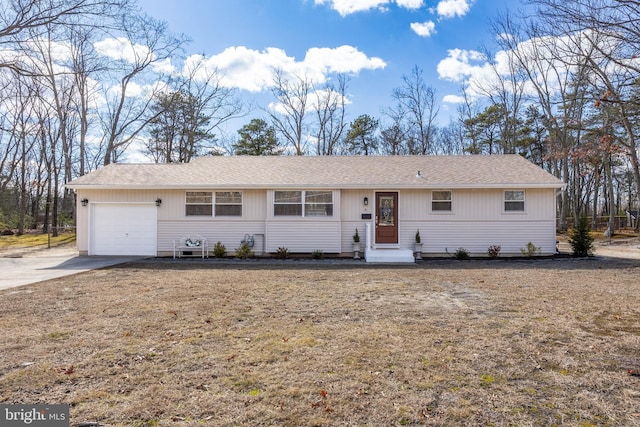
{"x": 46, "y": 264}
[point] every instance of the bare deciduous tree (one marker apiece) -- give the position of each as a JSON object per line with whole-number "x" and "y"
{"x": 330, "y": 102}
{"x": 185, "y": 119}
{"x": 146, "y": 43}
{"x": 289, "y": 114}
{"x": 417, "y": 101}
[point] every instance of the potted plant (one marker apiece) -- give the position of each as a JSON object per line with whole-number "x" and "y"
{"x": 417, "y": 246}
{"x": 356, "y": 245}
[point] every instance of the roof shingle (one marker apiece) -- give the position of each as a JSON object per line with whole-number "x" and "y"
{"x": 343, "y": 172}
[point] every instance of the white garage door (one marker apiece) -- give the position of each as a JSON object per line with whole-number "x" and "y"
{"x": 123, "y": 229}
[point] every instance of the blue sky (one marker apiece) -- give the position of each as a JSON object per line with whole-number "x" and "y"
{"x": 375, "y": 41}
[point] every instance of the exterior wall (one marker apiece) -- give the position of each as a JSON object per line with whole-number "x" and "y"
{"x": 303, "y": 234}
{"x": 174, "y": 224}
{"x": 476, "y": 221}
{"x": 351, "y": 213}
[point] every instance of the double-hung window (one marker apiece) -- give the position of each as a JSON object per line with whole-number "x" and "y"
{"x": 287, "y": 203}
{"x": 514, "y": 201}
{"x": 199, "y": 203}
{"x": 303, "y": 203}
{"x": 441, "y": 201}
{"x": 318, "y": 203}
{"x": 228, "y": 203}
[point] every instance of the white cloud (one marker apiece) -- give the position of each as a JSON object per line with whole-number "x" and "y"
{"x": 252, "y": 70}
{"x": 343, "y": 59}
{"x": 133, "y": 90}
{"x": 551, "y": 62}
{"x": 505, "y": 37}
{"x": 469, "y": 68}
{"x": 347, "y": 7}
{"x": 424, "y": 29}
{"x": 410, "y": 4}
{"x": 121, "y": 49}
{"x": 453, "y": 8}
{"x": 461, "y": 64}
{"x": 244, "y": 68}
{"x": 164, "y": 67}
{"x": 453, "y": 99}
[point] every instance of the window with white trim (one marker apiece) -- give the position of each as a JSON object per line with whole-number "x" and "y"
{"x": 199, "y": 203}
{"x": 228, "y": 203}
{"x": 287, "y": 203}
{"x": 514, "y": 201}
{"x": 303, "y": 203}
{"x": 441, "y": 201}
{"x": 318, "y": 203}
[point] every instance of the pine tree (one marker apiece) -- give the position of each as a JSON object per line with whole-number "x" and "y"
{"x": 257, "y": 139}
{"x": 580, "y": 240}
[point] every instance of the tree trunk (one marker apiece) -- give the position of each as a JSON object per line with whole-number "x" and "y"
{"x": 611, "y": 195}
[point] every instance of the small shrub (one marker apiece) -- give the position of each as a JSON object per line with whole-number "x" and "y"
{"x": 219, "y": 250}
{"x": 418, "y": 236}
{"x": 356, "y": 237}
{"x": 282, "y": 253}
{"x": 244, "y": 251}
{"x": 317, "y": 254}
{"x": 461, "y": 254}
{"x": 530, "y": 250}
{"x": 580, "y": 239}
{"x": 494, "y": 251}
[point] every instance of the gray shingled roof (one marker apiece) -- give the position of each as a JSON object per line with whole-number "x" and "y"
{"x": 342, "y": 172}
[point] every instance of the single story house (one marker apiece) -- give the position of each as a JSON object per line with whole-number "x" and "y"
{"x": 316, "y": 203}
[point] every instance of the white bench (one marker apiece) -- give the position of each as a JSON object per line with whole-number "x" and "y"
{"x": 193, "y": 244}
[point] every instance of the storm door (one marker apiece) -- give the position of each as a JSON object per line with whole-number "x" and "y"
{"x": 386, "y": 218}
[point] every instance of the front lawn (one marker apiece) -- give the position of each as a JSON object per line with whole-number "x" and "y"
{"x": 290, "y": 343}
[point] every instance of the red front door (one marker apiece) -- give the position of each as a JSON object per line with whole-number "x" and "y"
{"x": 386, "y": 218}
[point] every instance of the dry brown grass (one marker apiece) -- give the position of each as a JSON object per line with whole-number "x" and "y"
{"x": 34, "y": 240}
{"x": 445, "y": 343}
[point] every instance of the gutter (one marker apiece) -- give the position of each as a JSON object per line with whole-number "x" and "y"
{"x": 433, "y": 186}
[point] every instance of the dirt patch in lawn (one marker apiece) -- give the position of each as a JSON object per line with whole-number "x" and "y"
{"x": 443, "y": 343}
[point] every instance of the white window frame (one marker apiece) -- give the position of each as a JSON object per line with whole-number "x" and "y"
{"x": 450, "y": 201}
{"x": 513, "y": 201}
{"x": 304, "y": 204}
{"x": 187, "y": 204}
{"x": 308, "y": 204}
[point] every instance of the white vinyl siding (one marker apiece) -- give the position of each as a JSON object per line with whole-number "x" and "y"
{"x": 301, "y": 237}
{"x": 477, "y": 222}
{"x": 228, "y": 232}
{"x": 444, "y": 237}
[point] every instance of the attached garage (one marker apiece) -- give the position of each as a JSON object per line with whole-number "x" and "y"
{"x": 123, "y": 229}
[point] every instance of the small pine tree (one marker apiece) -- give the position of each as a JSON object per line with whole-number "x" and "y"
{"x": 580, "y": 240}
{"x": 257, "y": 139}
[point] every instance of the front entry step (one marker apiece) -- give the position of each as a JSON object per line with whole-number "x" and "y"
{"x": 389, "y": 256}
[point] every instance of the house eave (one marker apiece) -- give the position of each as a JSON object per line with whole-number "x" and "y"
{"x": 368, "y": 186}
